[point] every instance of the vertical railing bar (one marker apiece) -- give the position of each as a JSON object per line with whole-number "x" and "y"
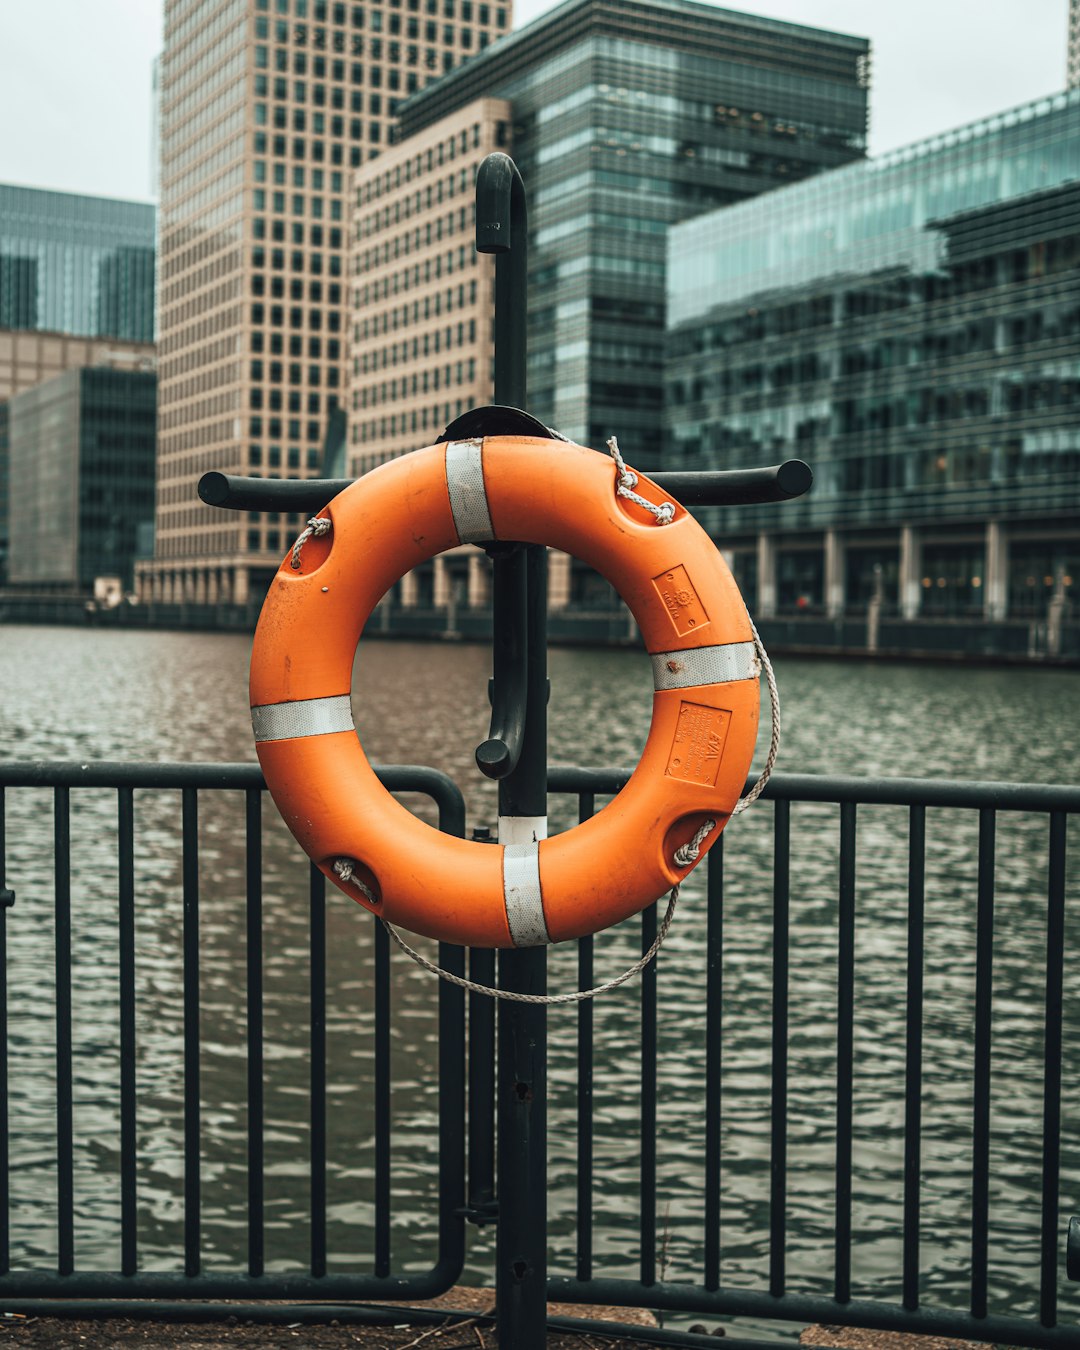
{"x": 255, "y": 1139}
{"x": 190, "y": 887}
{"x": 845, "y": 1053}
{"x": 714, "y": 995}
{"x": 1055, "y": 955}
{"x": 382, "y": 1101}
{"x": 648, "y": 1102}
{"x": 980, "y": 1143}
{"x": 913, "y": 1052}
{"x": 585, "y": 1028}
{"x": 481, "y": 1083}
{"x": 317, "y": 906}
{"x": 5, "y": 1124}
{"x": 125, "y": 835}
{"x": 65, "y": 1186}
{"x": 778, "y": 1141}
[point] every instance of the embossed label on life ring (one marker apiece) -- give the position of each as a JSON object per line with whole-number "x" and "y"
{"x": 681, "y": 600}
{"x": 698, "y": 746}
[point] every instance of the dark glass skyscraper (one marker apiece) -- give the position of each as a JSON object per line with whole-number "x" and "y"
{"x": 75, "y": 264}
{"x": 630, "y": 115}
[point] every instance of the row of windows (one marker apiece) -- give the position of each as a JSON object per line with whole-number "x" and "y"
{"x": 211, "y": 354}
{"x": 216, "y": 298}
{"x": 319, "y": 124}
{"x": 297, "y": 261}
{"x": 198, "y": 410}
{"x": 276, "y": 401}
{"x": 296, "y": 204}
{"x": 401, "y": 316}
{"x": 196, "y": 275}
{"x": 179, "y": 437}
{"x": 202, "y": 328}
{"x": 432, "y": 418}
{"x": 402, "y": 243}
{"x": 281, "y": 31}
{"x": 431, "y": 269}
{"x": 412, "y": 348}
{"x": 419, "y": 382}
{"x": 376, "y": 49}
{"x": 293, "y": 458}
{"x": 274, "y": 315}
{"x": 424, "y": 162}
{"x": 320, "y": 12}
{"x": 423, "y": 199}
{"x": 317, "y": 235}
{"x": 275, "y": 372}
{"x": 276, "y": 346}
{"x": 337, "y": 96}
{"x": 273, "y": 426}
{"x": 316, "y": 204}
{"x": 180, "y": 390}
{"x": 318, "y": 153}
{"x": 227, "y": 116}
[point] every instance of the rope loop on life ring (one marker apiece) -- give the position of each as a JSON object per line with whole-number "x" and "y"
{"x": 532, "y": 890}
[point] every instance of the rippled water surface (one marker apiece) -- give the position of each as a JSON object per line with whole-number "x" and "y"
{"x": 84, "y": 695}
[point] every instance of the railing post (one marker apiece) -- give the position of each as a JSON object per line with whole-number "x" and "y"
{"x": 520, "y": 622}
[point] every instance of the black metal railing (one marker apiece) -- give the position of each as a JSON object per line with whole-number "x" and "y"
{"x": 193, "y": 782}
{"x": 800, "y": 895}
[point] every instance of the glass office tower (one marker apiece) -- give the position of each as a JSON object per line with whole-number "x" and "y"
{"x": 910, "y": 326}
{"x": 629, "y": 115}
{"x": 77, "y": 265}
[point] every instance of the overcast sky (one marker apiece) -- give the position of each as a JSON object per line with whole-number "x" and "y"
{"x": 75, "y": 75}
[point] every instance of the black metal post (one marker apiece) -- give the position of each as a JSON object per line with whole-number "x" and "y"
{"x": 521, "y": 1115}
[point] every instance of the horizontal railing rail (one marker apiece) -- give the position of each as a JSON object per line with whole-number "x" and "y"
{"x": 762, "y": 892}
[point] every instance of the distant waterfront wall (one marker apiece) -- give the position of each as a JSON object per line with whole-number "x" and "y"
{"x": 1010, "y": 641}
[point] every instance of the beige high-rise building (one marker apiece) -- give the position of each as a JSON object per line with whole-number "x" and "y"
{"x": 422, "y": 297}
{"x": 267, "y": 106}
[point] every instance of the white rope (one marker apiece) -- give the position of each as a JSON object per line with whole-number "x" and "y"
{"x": 774, "y": 740}
{"x": 511, "y": 996}
{"x": 625, "y": 482}
{"x": 689, "y": 853}
{"x": 346, "y": 870}
{"x": 316, "y": 526}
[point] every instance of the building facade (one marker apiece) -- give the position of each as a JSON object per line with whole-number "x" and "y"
{"x": 267, "y": 106}
{"x": 29, "y": 358}
{"x": 82, "y": 473}
{"x": 76, "y": 289}
{"x": 422, "y": 297}
{"x": 630, "y": 115}
{"x": 75, "y": 264}
{"x": 910, "y": 326}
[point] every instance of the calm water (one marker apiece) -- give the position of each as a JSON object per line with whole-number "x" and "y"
{"x": 87, "y": 695}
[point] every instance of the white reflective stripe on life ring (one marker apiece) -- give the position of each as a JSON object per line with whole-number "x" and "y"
{"x": 468, "y": 494}
{"x": 303, "y": 717}
{"x": 522, "y": 896}
{"x": 705, "y": 665}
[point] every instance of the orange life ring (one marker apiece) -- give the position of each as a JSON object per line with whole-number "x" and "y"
{"x": 705, "y": 708}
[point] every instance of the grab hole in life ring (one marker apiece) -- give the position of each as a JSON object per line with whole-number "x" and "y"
{"x": 357, "y": 879}
{"x": 683, "y": 831}
{"x": 313, "y": 550}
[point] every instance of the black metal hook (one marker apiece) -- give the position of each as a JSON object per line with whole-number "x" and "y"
{"x": 502, "y": 228}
